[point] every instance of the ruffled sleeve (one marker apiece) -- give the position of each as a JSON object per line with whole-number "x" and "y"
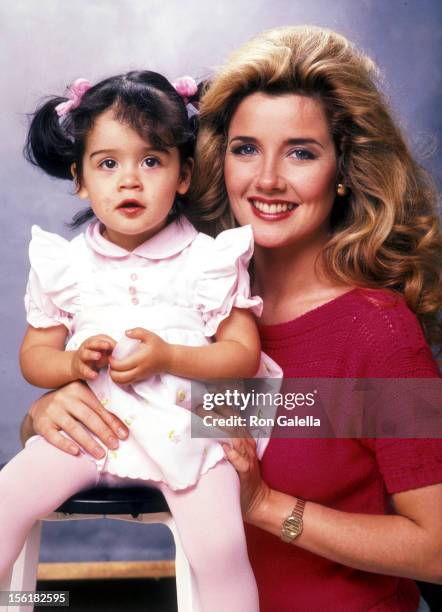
{"x": 224, "y": 281}
{"x": 52, "y": 296}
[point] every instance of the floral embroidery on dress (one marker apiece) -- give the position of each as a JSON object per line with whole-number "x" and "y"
{"x": 173, "y": 437}
{"x": 104, "y": 401}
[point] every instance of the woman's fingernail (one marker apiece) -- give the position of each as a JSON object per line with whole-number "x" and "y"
{"x": 122, "y": 432}
{"x": 73, "y": 450}
{"x": 112, "y": 442}
{"x": 99, "y": 452}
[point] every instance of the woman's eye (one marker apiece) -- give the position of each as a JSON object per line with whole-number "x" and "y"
{"x": 302, "y": 154}
{"x": 245, "y": 149}
{"x": 151, "y": 162}
{"x": 109, "y": 164}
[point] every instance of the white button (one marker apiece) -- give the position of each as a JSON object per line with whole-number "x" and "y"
{"x": 132, "y": 290}
{"x": 134, "y": 276}
{"x": 135, "y": 301}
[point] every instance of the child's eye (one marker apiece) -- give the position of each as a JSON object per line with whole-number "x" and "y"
{"x": 109, "y": 164}
{"x": 151, "y": 162}
{"x": 245, "y": 149}
{"x": 302, "y": 154}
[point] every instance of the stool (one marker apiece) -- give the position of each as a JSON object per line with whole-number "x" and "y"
{"x": 135, "y": 504}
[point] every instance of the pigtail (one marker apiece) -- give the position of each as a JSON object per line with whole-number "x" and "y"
{"x": 48, "y": 144}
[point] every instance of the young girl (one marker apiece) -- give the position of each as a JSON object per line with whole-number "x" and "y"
{"x": 130, "y": 306}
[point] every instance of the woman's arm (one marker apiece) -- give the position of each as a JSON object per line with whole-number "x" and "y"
{"x": 45, "y": 363}
{"x": 76, "y": 411}
{"x": 407, "y": 544}
{"x": 235, "y": 354}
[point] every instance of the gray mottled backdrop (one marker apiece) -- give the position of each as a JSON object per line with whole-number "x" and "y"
{"x": 47, "y": 44}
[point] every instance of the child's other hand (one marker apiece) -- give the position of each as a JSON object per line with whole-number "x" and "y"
{"x": 92, "y": 355}
{"x": 153, "y": 356}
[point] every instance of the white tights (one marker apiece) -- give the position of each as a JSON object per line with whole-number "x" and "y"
{"x": 207, "y": 515}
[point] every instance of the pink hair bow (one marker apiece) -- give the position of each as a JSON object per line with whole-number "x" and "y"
{"x": 75, "y": 92}
{"x": 186, "y": 87}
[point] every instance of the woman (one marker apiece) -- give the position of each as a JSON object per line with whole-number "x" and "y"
{"x": 295, "y": 135}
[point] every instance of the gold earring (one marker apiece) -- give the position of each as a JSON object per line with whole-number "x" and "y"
{"x": 341, "y": 189}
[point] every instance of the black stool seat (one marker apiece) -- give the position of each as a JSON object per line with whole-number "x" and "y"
{"x": 116, "y": 500}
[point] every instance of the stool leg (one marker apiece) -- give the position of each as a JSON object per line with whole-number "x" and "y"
{"x": 187, "y": 594}
{"x": 24, "y": 574}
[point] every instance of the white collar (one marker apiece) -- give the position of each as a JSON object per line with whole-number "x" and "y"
{"x": 171, "y": 240}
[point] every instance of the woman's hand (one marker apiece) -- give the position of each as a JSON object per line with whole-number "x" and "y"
{"x": 92, "y": 355}
{"x": 72, "y": 409}
{"x": 153, "y": 355}
{"x": 254, "y": 491}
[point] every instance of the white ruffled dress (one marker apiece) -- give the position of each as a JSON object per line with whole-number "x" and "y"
{"x": 180, "y": 284}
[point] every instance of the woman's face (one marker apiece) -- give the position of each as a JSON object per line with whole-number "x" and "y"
{"x": 280, "y": 169}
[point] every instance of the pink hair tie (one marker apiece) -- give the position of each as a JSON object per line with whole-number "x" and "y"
{"x": 75, "y": 92}
{"x": 186, "y": 87}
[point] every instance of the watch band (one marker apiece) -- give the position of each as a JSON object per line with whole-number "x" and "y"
{"x": 292, "y": 526}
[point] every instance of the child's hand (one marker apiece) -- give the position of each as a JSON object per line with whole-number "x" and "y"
{"x": 152, "y": 356}
{"x": 92, "y": 355}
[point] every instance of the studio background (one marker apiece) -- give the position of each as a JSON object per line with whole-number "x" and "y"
{"x": 48, "y": 44}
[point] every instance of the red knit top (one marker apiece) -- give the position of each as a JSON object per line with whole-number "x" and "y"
{"x": 363, "y": 333}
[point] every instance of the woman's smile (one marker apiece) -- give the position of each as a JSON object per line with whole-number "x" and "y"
{"x": 271, "y": 209}
{"x": 280, "y": 168}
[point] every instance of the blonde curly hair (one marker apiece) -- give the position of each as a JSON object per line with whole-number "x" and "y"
{"x": 385, "y": 231}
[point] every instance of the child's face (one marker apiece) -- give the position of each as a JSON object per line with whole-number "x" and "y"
{"x": 130, "y": 184}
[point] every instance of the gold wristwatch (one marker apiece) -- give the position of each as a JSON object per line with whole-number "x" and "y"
{"x": 292, "y": 526}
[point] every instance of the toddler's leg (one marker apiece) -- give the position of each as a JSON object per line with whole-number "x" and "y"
{"x": 33, "y": 484}
{"x": 208, "y": 518}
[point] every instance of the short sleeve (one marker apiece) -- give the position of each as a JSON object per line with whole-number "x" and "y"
{"x": 409, "y": 463}
{"x": 224, "y": 281}
{"x": 52, "y": 295}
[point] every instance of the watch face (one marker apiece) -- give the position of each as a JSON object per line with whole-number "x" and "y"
{"x": 293, "y": 523}
{"x": 292, "y": 527}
